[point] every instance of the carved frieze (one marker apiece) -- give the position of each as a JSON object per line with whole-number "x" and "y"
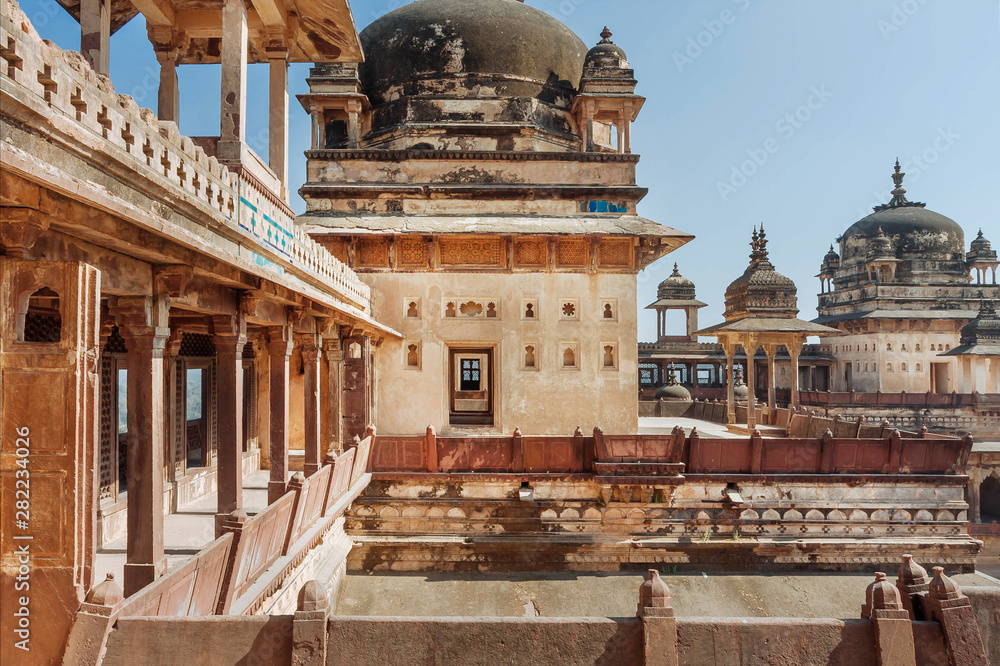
{"x": 471, "y": 251}
{"x": 531, "y": 252}
{"x": 373, "y": 252}
{"x": 572, "y": 253}
{"x": 616, "y": 253}
{"x": 411, "y": 253}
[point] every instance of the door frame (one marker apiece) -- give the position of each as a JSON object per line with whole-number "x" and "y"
{"x": 487, "y": 418}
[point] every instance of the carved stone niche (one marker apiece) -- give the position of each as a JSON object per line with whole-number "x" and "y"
{"x": 470, "y": 308}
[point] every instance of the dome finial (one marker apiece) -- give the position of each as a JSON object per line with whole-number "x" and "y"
{"x": 898, "y": 194}
{"x": 754, "y": 245}
{"x": 606, "y": 36}
{"x": 762, "y": 244}
{"x": 676, "y": 271}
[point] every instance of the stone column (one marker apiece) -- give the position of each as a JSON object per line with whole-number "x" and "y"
{"x": 277, "y": 149}
{"x": 353, "y": 123}
{"x": 232, "y": 133}
{"x": 794, "y": 349}
{"x": 95, "y": 33}
{"x": 333, "y": 354}
{"x": 175, "y": 413}
{"x": 279, "y": 348}
{"x": 750, "y": 346}
{"x": 730, "y": 350}
{"x": 168, "y": 97}
{"x": 311, "y": 402}
{"x": 230, "y": 335}
{"x": 142, "y": 322}
{"x": 770, "y": 350}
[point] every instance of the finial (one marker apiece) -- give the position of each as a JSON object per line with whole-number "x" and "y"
{"x": 898, "y": 194}
{"x": 676, "y": 272}
{"x": 831, "y": 247}
{"x": 980, "y": 234}
{"x": 762, "y": 244}
{"x": 754, "y": 244}
{"x": 606, "y": 36}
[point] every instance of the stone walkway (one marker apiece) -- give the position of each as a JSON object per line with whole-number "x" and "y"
{"x": 185, "y": 532}
{"x": 662, "y": 425}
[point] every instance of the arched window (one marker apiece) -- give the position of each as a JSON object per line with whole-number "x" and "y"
{"x": 888, "y": 346}
{"x": 918, "y": 347}
{"x": 529, "y": 311}
{"x": 354, "y": 350}
{"x": 41, "y": 320}
{"x": 412, "y": 356}
{"x": 888, "y": 367}
{"x": 609, "y": 356}
{"x": 569, "y": 358}
{"x": 902, "y": 367}
{"x": 411, "y": 310}
{"x": 529, "y": 356}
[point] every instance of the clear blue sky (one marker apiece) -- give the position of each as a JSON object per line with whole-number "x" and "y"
{"x": 915, "y": 78}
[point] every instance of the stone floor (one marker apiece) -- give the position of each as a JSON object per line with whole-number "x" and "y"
{"x": 186, "y": 531}
{"x": 609, "y": 594}
{"x": 662, "y": 425}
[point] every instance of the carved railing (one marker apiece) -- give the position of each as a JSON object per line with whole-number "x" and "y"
{"x": 246, "y": 201}
{"x": 901, "y": 399}
{"x": 886, "y": 452}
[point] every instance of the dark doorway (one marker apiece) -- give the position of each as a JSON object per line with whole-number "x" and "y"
{"x": 471, "y": 386}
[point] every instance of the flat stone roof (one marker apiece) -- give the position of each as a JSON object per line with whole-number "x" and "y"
{"x": 609, "y": 594}
{"x": 663, "y": 425}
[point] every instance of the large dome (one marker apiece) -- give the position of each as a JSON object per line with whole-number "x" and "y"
{"x": 463, "y": 48}
{"x": 913, "y": 231}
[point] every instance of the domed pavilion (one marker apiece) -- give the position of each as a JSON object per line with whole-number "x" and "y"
{"x": 761, "y": 312}
{"x": 477, "y": 171}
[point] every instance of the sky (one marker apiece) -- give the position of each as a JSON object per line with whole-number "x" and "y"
{"x": 786, "y": 113}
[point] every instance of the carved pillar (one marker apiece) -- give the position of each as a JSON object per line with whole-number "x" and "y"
{"x": 234, "y": 81}
{"x": 230, "y": 335}
{"x": 174, "y": 455}
{"x": 143, "y": 323}
{"x": 95, "y": 33}
{"x": 730, "y": 350}
{"x": 771, "y": 350}
{"x": 168, "y": 97}
{"x": 311, "y": 402}
{"x": 333, "y": 354}
{"x": 49, "y": 412}
{"x": 794, "y": 349}
{"x": 750, "y": 346}
{"x": 277, "y": 152}
{"x": 279, "y": 349}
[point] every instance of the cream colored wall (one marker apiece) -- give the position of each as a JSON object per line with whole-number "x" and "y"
{"x": 547, "y": 400}
{"x": 874, "y": 354}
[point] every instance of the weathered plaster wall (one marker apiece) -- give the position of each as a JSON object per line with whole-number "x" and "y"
{"x": 877, "y": 352}
{"x": 548, "y": 399}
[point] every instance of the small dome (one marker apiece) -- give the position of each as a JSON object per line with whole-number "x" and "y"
{"x": 761, "y": 290}
{"x": 606, "y": 53}
{"x": 911, "y": 228}
{"x": 672, "y": 390}
{"x": 985, "y": 328}
{"x": 500, "y": 47}
{"x": 831, "y": 256}
{"x": 676, "y": 287}
{"x": 942, "y": 587}
{"x": 883, "y": 595}
{"x": 880, "y": 247}
{"x": 981, "y": 249}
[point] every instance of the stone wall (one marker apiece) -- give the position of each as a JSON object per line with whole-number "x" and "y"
{"x": 548, "y": 398}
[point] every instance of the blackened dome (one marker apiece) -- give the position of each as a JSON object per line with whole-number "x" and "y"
{"x": 425, "y": 47}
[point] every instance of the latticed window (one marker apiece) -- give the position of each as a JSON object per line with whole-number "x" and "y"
{"x": 649, "y": 374}
{"x": 470, "y": 374}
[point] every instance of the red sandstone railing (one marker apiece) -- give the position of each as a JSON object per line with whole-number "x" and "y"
{"x": 902, "y": 399}
{"x": 240, "y": 560}
{"x": 888, "y": 452}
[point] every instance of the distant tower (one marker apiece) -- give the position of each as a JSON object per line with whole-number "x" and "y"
{"x": 676, "y": 293}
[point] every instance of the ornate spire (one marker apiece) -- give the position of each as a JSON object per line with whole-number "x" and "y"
{"x": 754, "y": 245}
{"x": 762, "y": 245}
{"x": 899, "y": 199}
{"x": 606, "y": 36}
{"x": 676, "y": 272}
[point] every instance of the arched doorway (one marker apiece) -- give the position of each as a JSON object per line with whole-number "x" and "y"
{"x": 989, "y": 500}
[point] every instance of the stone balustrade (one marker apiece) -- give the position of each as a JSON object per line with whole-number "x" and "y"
{"x": 113, "y": 129}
